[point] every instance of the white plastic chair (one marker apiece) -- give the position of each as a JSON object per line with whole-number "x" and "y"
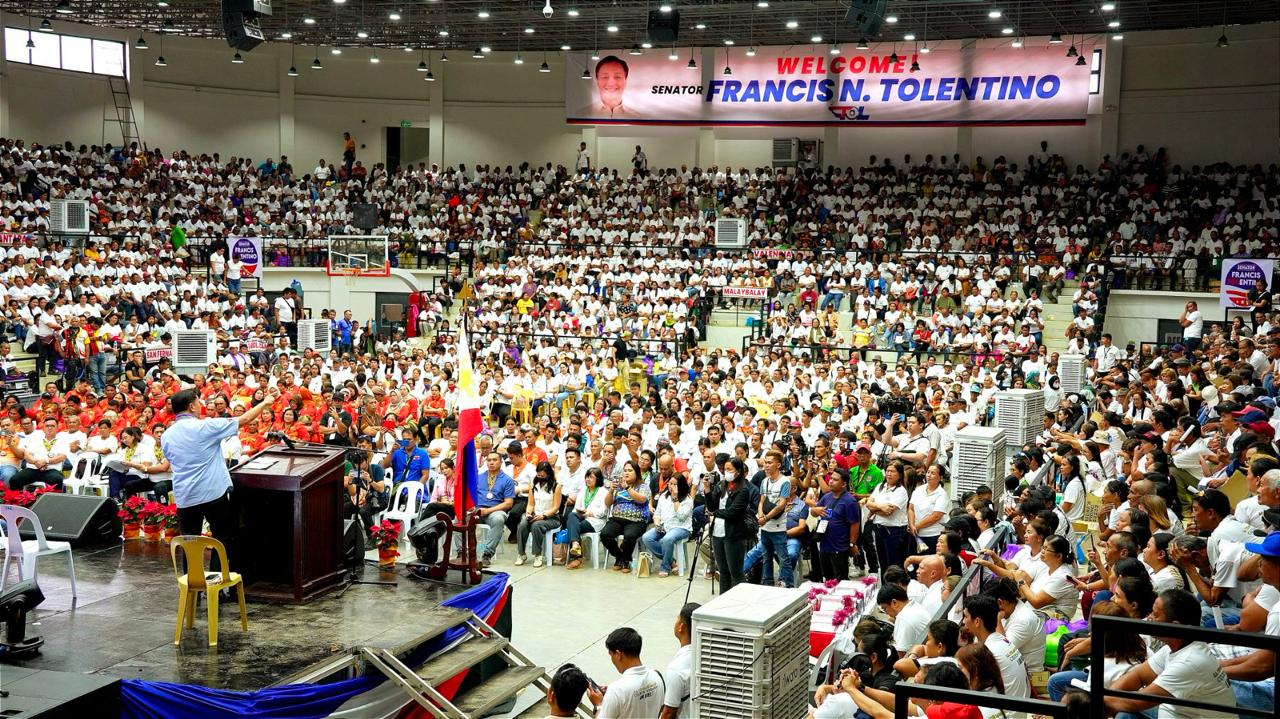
{"x": 87, "y": 477}
{"x": 25, "y": 554}
{"x": 591, "y": 549}
{"x": 406, "y": 502}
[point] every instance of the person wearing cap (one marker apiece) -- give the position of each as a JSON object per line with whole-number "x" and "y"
{"x": 864, "y": 477}
{"x": 1252, "y": 676}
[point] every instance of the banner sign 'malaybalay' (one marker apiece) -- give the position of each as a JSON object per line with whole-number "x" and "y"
{"x": 953, "y": 87}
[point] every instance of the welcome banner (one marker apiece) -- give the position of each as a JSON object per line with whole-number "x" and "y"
{"x": 781, "y": 86}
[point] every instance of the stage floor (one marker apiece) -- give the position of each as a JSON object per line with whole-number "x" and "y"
{"x": 123, "y": 620}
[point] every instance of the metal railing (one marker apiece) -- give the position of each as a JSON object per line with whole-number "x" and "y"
{"x": 904, "y": 692}
{"x": 1101, "y": 629}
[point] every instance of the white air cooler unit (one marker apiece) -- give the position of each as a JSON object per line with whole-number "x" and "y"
{"x": 194, "y": 351}
{"x": 315, "y": 335}
{"x": 978, "y": 458}
{"x": 1020, "y": 413}
{"x": 751, "y": 654}
{"x": 1071, "y": 372}
{"x": 786, "y": 151}
{"x": 69, "y": 217}
{"x": 731, "y": 232}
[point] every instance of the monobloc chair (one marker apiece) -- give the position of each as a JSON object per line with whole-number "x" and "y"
{"x": 25, "y": 554}
{"x": 196, "y": 580}
{"x": 407, "y": 499}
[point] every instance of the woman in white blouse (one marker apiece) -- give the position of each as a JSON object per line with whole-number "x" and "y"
{"x": 1052, "y": 591}
{"x": 928, "y": 509}
{"x": 672, "y": 522}
{"x": 588, "y": 516}
{"x": 887, "y": 505}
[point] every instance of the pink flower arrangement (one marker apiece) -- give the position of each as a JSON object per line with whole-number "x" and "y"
{"x": 840, "y": 617}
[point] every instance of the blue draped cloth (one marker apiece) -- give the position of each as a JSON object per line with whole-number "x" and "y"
{"x": 168, "y": 700}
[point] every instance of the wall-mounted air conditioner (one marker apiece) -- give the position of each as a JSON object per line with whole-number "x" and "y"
{"x": 194, "y": 351}
{"x": 69, "y": 217}
{"x": 315, "y": 335}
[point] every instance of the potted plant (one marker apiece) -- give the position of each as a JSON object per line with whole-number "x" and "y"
{"x": 130, "y": 514}
{"x": 152, "y": 521}
{"x": 170, "y": 521}
{"x": 23, "y": 498}
{"x": 386, "y": 537}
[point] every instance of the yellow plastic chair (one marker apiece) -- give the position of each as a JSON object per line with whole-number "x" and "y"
{"x": 1236, "y": 487}
{"x": 522, "y": 408}
{"x": 196, "y": 580}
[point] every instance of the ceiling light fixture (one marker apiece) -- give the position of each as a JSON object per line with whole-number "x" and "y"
{"x": 31, "y": 44}
{"x": 335, "y": 50}
{"x": 700, "y": 26}
{"x": 422, "y": 66}
{"x": 374, "y": 58}
{"x": 167, "y": 26}
{"x": 762, "y": 4}
{"x": 519, "y": 60}
{"x": 909, "y": 37}
{"x": 573, "y": 12}
{"x": 1006, "y": 30}
{"x": 547, "y": 10}
{"x": 1222, "y": 39}
{"x": 339, "y": 2}
{"x": 635, "y": 50}
{"x": 443, "y": 32}
{"x": 862, "y": 44}
{"x": 728, "y": 41}
{"x": 293, "y": 71}
{"x": 815, "y": 39}
{"x": 693, "y": 64}
{"x": 46, "y": 26}
{"x": 672, "y": 55}
{"x": 586, "y": 74}
{"x": 915, "y": 66}
{"x": 1108, "y": 6}
{"x": 141, "y": 44}
{"x": 611, "y": 28}
{"x": 792, "y": 24}
{"x": 477, "y": 54}
{"x": 994, "y": 14}
{"x": 1055, "y": 39}
{"x": 566, "y": 47}
{"x": 362, "y": 34}
{"x": 893, "y": 57}
{"x": 486, "y": 49}
{"x": 394, "y": 15}
{"x": 482, "y": 14}
{"x": 1071, "y": 51}
{"x": 528, "y": 30}
{"x": 1113, "y": 24}
{"x": 430, "y": 76}
{"x": 286, "y": 35}
{"x": 646, "y": 45}
{"x": 595, "y": 54}
{"x": 1017, "y": 42}
{"x": 544, "y": 67}
{"x": 891, "y": 19}
{"x": 237, "y": 59}
{"x": 162, "y": 3}
{"x": 444, "y": 57}
{"x": 751, "y": 51}
{"x": 1080, "y": 61}
{"x": 63, "y": 8}
{"x": 1118, "y": 36}
{"x": 835, "y": 49}
{"x": 308, "y": 21}
{"x": 664, "y": 7}
{"x": 160, "y": 62}
{"x": 924, "y": 49}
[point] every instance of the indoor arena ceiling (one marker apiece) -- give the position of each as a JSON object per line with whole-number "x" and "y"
{"x": 588, "y": 24}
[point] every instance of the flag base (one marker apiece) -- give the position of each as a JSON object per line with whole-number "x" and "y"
{"x": 467, "y": 561}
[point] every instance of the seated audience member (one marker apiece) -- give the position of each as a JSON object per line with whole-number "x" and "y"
{"x": 981, "y": 621}
{"x": 1124, "y": 650}
{"x": 1179, "y": 669}
{"x": 1023, "y": 626}
{"x": 910, "y": 620}
{"x": 940, "y": 644}
{"x": 983, "y": 672}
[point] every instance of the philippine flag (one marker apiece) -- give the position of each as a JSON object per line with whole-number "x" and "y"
{"x": 470, "y": 425}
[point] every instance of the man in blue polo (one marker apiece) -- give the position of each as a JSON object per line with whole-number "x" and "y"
{"x": 497, "y": 494}
{"x": 409, "y": 462}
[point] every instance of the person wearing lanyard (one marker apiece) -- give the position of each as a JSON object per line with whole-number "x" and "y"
{"x": 201, "y": 482}
{"x": 498, "y": 497}
{"x": 409, "y": 462}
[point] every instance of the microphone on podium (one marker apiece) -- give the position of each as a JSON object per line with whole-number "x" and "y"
{"x": 283, "y": 438}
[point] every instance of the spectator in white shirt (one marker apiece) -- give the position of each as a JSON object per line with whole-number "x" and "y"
{"x": 679, "y": 676}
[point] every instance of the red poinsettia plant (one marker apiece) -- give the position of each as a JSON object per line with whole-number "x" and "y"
{"x": 170, "y": 513}
{"x": 386, "y": 534}
{"x": 23, "y": 498}
{"x": 131, "y": 510}
{"x": 153, "y": 514}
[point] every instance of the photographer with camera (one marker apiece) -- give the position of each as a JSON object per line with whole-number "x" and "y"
{"x": 366, "y": 490}
{"x": 728, "y": 502}
{"x": 912, "y": 447}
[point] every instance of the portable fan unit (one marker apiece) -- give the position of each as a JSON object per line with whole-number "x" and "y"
{"x": 731, "y": 232}
{"x": 69, "y": 217}
{"x": 1071, "y": 372}
{"x": 194, "y": 351}
{"x": 1020, "y": 413}
{"x": 751, "y": 654}
{"x": 786, "y": 151}
{"x": 978, "y": 458}
{"x": 315, "y": 335}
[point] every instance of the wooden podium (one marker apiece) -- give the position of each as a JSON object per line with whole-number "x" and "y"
{"x": 290, "y": 541}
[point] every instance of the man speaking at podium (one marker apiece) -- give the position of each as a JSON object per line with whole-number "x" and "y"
{"x": 201, "y": 482}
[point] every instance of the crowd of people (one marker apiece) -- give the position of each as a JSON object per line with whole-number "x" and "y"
{"x": 605, "y": 417}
